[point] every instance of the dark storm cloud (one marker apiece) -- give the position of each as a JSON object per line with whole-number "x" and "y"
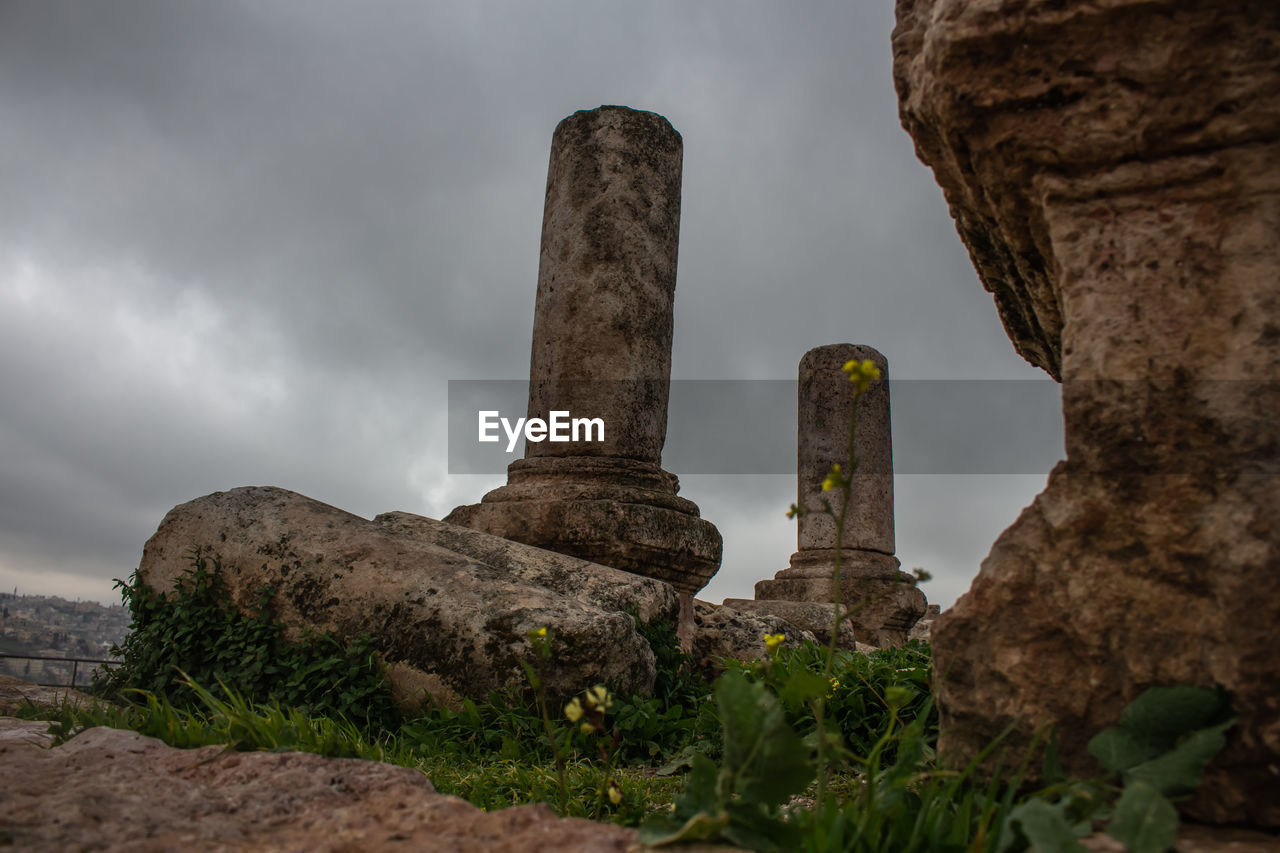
{"x": 250, "y": 242}
{"x": 314, "y": 174}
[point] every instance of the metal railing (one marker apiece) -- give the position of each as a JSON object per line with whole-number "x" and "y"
{"x": 75, "y": 666}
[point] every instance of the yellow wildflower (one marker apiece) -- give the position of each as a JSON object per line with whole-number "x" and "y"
{"x": 772, "y": 641}
{"x": 587, "y": 728}
{"x": 615, "y": 793}
{"x": 834, "y": 684}
{"x": 573, "y": 711}
{"x": 862, "y": 373}
{"x": 834, "y": 480}
{"x": 541, "y": 632}
{"x": 598, "y": 697}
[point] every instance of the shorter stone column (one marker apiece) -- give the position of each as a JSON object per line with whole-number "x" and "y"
{"x": 886, "y": 599}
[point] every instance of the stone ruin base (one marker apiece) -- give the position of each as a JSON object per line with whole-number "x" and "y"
{"x": 612, "y": 511}
{"x": 887, "y": 599}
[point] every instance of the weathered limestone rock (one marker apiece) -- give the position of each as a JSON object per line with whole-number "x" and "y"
{"x": 602, "y": 349}
{"x": 559, "y": 573}
{"x": 726, "y": 632}
{"x": 458, "y": 615}
{"x": 809, "y": 618}
{"x": 114, "y": 790}
{"x": 887, "y": 600}
{"x": 1114, "y": 169}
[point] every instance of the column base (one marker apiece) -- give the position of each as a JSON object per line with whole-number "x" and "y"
{"x": 887, "y": 599}
{"x": 819, "y": 563}
{"x": 613, "y": 511}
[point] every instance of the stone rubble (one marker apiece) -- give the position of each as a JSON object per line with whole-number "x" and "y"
{"x": 725, "y": 632}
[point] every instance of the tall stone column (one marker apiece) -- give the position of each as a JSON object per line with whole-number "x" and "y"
{"x": 887, "y": 599}
{"x": 602, "y": 349}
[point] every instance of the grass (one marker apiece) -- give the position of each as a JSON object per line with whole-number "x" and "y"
{"x": 517, "y": 772}
{"x": 494, "y": 753}
{"x": 501, "y": 783}
{"x": 752, "y": 781}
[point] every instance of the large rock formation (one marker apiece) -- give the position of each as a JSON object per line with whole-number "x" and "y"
{"x": 1114, "y": 169}
{"x": 446, "y": 601}
{"x": 114, "y": 790}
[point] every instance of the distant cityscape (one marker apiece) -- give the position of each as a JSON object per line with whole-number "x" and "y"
{"x": 49, "y": 626}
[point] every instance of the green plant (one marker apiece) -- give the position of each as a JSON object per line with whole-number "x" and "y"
{"x": 908, "y": 803}
{"x": 244, "y": 726}
{"x": 232, "y": 721}
{"x": 586, "y": 714}
{"x": 495, "y": 783}
{"x": 677, "y": 716}
{"x": 1157, "y": 752}
{"x": 856, "y": 691}
{"x": 540, "y": 641}
{"x": 197, "y": 630}
{"x": 678, "y": 683}
{"x": 505, "y": 726}
{"x": 765, "y": 763}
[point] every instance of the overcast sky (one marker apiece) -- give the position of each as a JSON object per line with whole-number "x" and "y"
{"x": 249, "y": 243}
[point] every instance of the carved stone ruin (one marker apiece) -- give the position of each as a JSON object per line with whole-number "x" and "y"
{"x": 888, "y": 602}
{"x": 1114, "y": 170}
{"x": 602, "y": 349}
